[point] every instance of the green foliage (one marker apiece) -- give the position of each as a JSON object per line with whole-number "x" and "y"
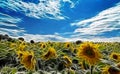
{"x": 8, "y": 70}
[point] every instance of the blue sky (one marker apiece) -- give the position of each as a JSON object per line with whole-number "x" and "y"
{"x": 61, "y": 20}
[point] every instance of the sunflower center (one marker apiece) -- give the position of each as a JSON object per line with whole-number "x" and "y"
{"x": 43, "y": 46}
{"x": 115, "y": 56}
{"x": 29, "y": 58}
{"x": 68, "y": 45}
{"x": 90, "y": 53}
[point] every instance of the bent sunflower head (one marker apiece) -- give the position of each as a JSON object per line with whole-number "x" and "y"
{"x": 68, "y": 61}
{"x": 51, "y": 53}
{"x": 89, "y": 52}
{"x": 28, "y": 60}
{"x": 110, "y": 70}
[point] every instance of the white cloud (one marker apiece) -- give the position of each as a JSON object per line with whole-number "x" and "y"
{"x": 113, "y": 39}
{"x": 44, "y": 9}
{"x": 96, "y": 39}
{"x": 38, "y": 37}
{"x": 107, "y": 20}
{"x": 72, "y": 4}
{"x": 8, "y": 25}
{"x": 8, "y": 20}
{"x": 92, "y": 29}
{"x": 13, "y": 32}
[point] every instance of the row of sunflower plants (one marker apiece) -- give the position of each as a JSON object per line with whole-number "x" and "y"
{"x": 20, "y": 57}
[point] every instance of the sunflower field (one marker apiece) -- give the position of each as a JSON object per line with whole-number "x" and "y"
{"x": 79, "y": 57}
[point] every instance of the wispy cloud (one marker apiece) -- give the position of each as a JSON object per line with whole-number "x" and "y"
{"x": 44, "y": 9}
{"x": 72, "y": 4}
{"x": 38, "y": 37}
{"x": 60, "y": 38}
{"x": 96, "y": 27}
{"x": 107, "y": 20}
{"x": 96, "y": 39}
{"x": 12, "y": 32}
{"x": 8, "y": 25}
{"x": 8, "y": 20}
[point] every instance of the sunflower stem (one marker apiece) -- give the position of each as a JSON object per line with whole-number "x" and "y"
{"x": 44, "y": 67}
{"x": 37, "y": 66}
{"x": 91, "y": 70}
{"x": 56, "y": 65}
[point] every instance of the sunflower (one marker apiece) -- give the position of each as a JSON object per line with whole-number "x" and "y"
{"x": 110, "y": 70}
{"x": 89, "y": 52}
{"x": 42, "y": 45}
{"x": 115, "y": 56}
{"x": 51, "y": 53}
{"x": 68, "y": 61}
{"x": 67, "y": 45}
{"x": 28, "y": 60}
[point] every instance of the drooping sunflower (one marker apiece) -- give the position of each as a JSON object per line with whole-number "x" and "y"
{"x": 28, "y": 60}
{"x": 51, "y": 53}
{"x": 89, "y": 52}
{"x": 68, "y": 61}
{"x": 110, "y": 70}
{"x": 115, "y": 56}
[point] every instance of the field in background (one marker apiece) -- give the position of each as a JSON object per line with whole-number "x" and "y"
{"x": 50, "y": 57}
